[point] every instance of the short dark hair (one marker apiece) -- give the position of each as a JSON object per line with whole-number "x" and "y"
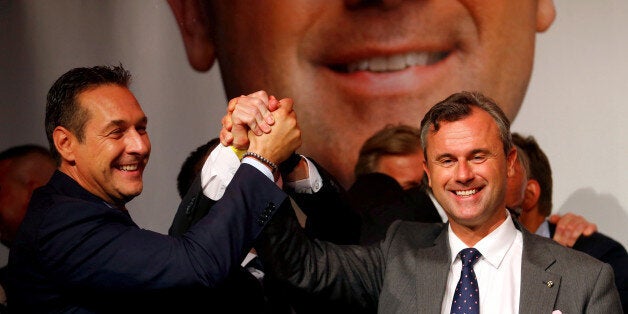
{"x": 391, "y": 140}
{"x": 23, "y": 150}
{"x": 62, "y": 106}
{"x": 193, "y": 165}
{"x": 539, "y": 169}
{"x": 458, "y": 106}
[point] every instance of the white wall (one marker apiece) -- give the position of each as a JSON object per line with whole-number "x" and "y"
{"x": 577, "y": 109}
{"x": 574, "y": 106}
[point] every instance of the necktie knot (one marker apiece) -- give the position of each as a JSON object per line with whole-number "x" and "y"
{"x": 469, "y": 256}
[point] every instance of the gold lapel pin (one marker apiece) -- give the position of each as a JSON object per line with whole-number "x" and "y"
{"x": 549, "y": 283}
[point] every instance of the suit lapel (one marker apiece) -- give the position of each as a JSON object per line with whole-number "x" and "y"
{"x": 433, "y": 269}
{"x": 539, "y": 286}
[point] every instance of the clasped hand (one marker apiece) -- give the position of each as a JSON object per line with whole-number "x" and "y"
{"x": 261, "y": 124}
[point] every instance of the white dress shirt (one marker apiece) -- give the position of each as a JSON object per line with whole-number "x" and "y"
{"x": 498, "y": 271}
{"x": 222, "y": 164}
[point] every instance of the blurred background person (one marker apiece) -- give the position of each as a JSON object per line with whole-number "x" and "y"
{"x": 388, "y": 186}
{"x": 23, "y": 168}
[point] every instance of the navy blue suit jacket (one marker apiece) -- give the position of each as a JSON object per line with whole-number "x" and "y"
{"x": 75, "y": 253}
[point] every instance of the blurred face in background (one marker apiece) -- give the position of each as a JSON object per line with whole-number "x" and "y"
{"x": 18, "y": 178}
{"x": 406, "y": 169}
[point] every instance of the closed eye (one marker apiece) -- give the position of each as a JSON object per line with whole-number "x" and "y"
{"x": 446, "y": 162}
{"x": 116, "y": 133}
{"x": 141, "y": 130}
{"x": 478, "y": 158}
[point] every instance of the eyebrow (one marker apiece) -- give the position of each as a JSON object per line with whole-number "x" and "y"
{"x": 123, "y": 122}
{"x": 473, "y": 152}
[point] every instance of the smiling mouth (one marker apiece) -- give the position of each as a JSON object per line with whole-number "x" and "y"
{"x": 128, "y": 167}
{"x": 392, "y": 63}
{"x": 466, "y": 192}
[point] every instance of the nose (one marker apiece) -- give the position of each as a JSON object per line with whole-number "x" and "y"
{"x": 464, "y": 173}
{"x": 356, "y": 4}
{"x": 138, "y": 142}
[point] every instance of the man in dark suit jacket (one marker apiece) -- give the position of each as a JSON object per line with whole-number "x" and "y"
{"x": 389, "y": 182}
{"x": 23, "y": 168}
{"x": 79, "y": 251}
{"x": 533, "y": 179}
{"x": 469, "y": 155}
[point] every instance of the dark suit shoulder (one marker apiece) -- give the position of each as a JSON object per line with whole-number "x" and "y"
{"x": 414, "y": 234}
{"x": 601, "y": 247}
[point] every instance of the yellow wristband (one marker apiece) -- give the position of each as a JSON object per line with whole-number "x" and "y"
{"x": 239, "y": 152}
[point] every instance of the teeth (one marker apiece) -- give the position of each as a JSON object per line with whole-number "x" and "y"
{"x": 128, "y": 167}
{"x": 466, "y": 193}
{"x": 396, "y": 62}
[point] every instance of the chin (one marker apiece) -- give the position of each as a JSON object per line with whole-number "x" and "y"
{"x": 129, "y": 195}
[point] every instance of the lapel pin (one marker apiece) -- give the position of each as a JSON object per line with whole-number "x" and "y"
{"x": 549, "y": 283}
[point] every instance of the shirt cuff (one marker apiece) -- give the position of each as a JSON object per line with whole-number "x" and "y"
{"x": 218, "y": 171}
{"x": 310, "y": 185}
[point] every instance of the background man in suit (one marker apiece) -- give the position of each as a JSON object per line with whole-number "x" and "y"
{"x": 78, "y": 250}
{"x": 397, "y": 58}
{"x": 388, "y": 185}
{"x": 469, "y": 156}
{"x": 532, "y": 187}
{"x": 22, "y": 169}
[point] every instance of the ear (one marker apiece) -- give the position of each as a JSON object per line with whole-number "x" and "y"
{"x": 511, "y": 159}
{"x": 195, "y": 30}
{"x": 531, "y": 196}
{"x": 64, "y": 141}
{"x": 427, "y": 173}
{"x": 545, "y": 15}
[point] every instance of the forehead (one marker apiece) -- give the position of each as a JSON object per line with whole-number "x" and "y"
{"x": 476, "y": 131}
{"x": 110, "y": 102}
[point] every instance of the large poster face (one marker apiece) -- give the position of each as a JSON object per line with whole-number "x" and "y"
{"x": 351, "y": 69}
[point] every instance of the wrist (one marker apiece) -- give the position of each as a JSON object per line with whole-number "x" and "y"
{"x": 271, "y": 165}
{"x": 239, "y": 152}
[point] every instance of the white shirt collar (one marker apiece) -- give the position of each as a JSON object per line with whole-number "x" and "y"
{"x": 543, "y": 229}
{"x": 493, "y": 247}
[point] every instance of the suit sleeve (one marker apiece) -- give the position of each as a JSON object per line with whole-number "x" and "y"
{"x": 350, "y": 274}
{"x": 329, "y": 214}
{"x": 123, "y": 257}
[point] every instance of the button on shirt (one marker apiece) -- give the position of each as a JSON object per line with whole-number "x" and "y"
{"x": 498, "y": 271}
